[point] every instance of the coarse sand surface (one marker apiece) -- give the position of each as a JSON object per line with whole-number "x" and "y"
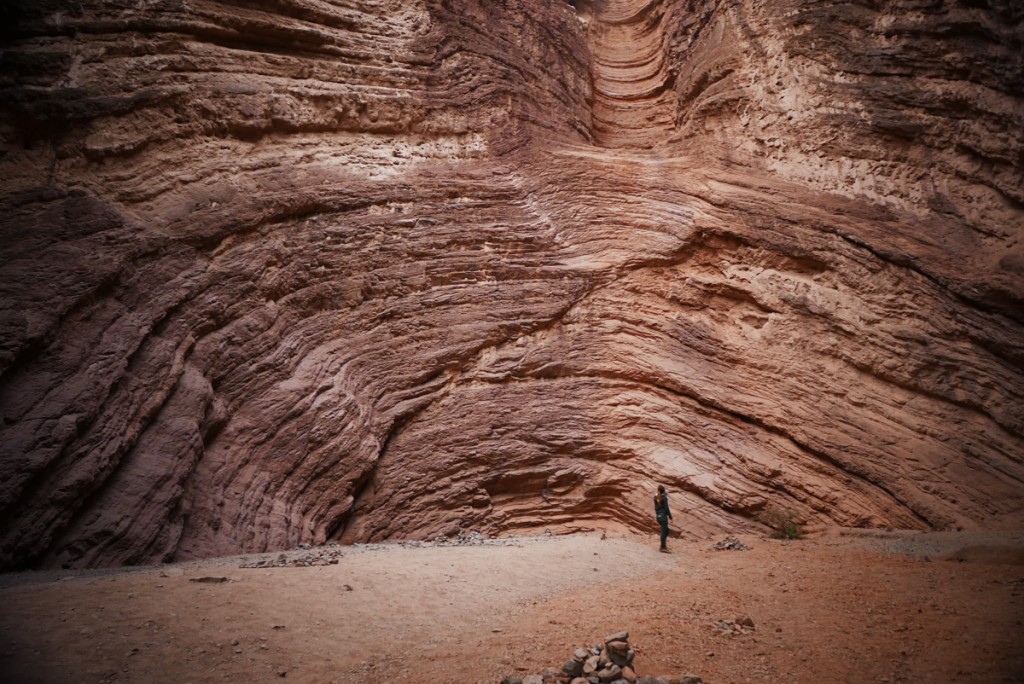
{"x": 840, "y": 606}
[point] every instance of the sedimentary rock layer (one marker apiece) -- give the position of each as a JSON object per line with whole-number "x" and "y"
{"x": 301, "y": 270}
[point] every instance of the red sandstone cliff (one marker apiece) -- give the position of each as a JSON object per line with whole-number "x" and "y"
{"x": 300, "y": 270}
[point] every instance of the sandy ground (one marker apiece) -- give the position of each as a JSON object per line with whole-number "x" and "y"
{"x": 843, "y": 606}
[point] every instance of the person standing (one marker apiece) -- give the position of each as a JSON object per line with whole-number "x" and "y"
{"x": 663, "y": 514}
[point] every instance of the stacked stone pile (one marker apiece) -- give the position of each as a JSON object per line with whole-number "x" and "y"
{"x": 610, "y": 662}
{"x": 730, "y": 544}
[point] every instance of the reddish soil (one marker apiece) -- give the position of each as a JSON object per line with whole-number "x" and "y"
{"x": 842, "y": 606}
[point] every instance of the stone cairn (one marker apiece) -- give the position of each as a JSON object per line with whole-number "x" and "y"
{"x": 730, "y": 544}
{"x": 610, "y": 662}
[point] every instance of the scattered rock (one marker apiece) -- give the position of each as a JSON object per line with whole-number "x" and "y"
{"x": 311, "y": 558}
{"x": 741, "y": 625}
{"x": 462, "y": 538}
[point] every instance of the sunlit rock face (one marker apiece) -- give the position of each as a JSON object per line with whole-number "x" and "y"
{"x": 306, "y": 270}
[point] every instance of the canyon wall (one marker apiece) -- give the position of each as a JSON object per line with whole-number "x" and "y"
{"x": 297, "y": 270}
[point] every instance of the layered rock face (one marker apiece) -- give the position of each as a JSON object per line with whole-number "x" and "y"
{"x": 299, "y": 270}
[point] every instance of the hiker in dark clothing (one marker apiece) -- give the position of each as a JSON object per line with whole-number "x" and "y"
{"x": 663, "y": 514}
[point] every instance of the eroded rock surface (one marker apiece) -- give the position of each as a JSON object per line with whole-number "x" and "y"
{"x": 288, "y": 272}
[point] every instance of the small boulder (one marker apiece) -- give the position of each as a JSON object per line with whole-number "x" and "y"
{"x": 572, "y": 668}
{"x": 618, "y": 646}
{"x": 618, "y": 659}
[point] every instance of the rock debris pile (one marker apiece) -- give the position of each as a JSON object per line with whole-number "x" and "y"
{"x": 463, "y": 538}
{"x": 730, "y": 544}
{"x": 309, "y": 557}
{"x": 610, "y": 662}
{"x": 306, "y": 555}
{"x": 460, "y": 538}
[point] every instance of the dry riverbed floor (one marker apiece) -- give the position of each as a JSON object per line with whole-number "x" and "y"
{"x": 841, "y": 606}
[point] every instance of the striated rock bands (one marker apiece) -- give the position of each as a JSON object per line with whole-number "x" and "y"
{"x": 287, "y": 272}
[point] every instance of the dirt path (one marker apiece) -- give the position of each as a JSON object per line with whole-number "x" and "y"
{"x": 839, "y": 607}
